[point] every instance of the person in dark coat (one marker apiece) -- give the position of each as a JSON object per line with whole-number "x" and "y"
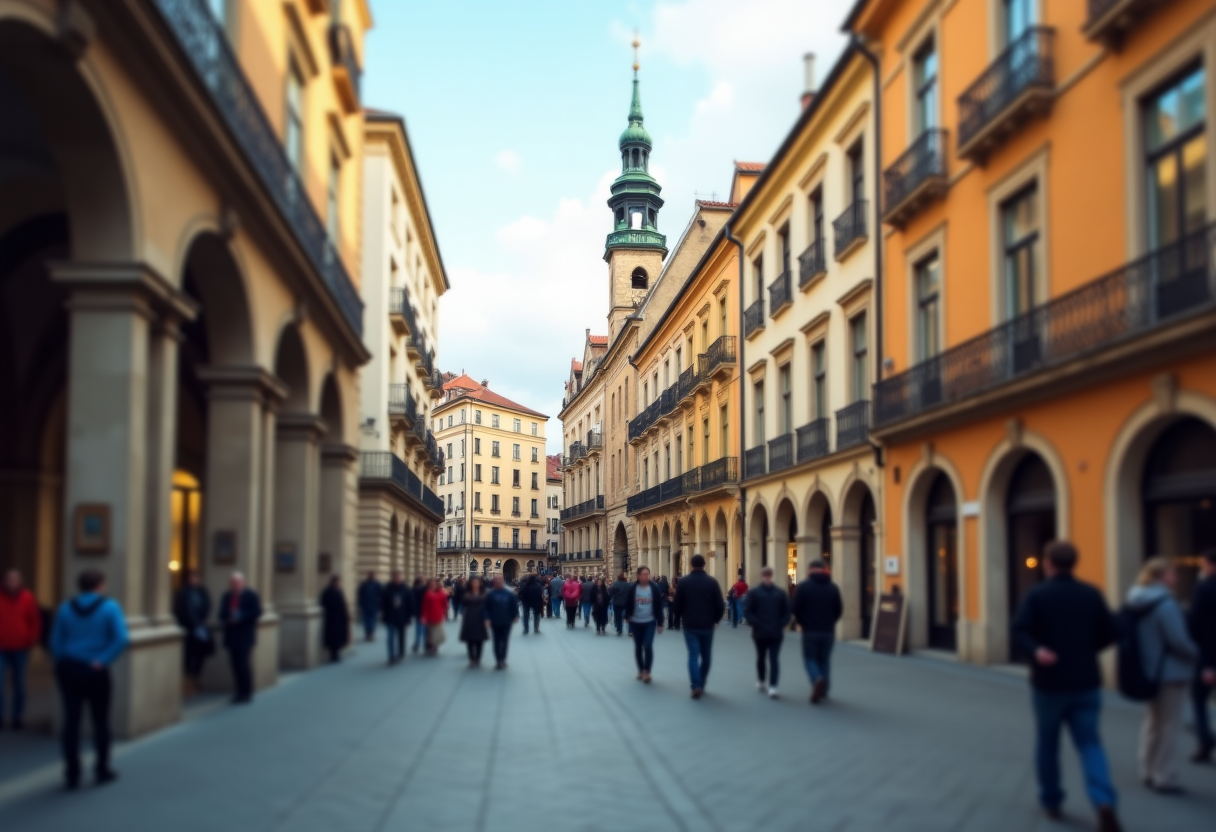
{"x": 473, "y": 624}
{"x": 587, "y": 586}
{"x": 532, "y": 601}
{"x": 1063, "y": 624}
{"x": 458, "y": 591}
{"x": 673, "y": 612}
{"x": 817, "y": 606}
{"x": 1202, "y": 624}
{"x": 370, "y": 604}
{"x": 767, "y": 610}
{"x": 396, "y": 608}
{"x": 619, "y": 591}
{"x": 500, "y": 611}
{"x": 335, "y": 627}
{"x": 600, "y": 599}
{"x": 419, "y": 590}
{"x": 699, "y": 605}
{"x": 239, "y": 611}
{"x": 191, "y": 609}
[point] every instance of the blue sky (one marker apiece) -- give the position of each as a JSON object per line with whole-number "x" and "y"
{"x": 514, "y": 109}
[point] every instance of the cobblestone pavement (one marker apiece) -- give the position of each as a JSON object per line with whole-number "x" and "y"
{"x": 567, "y": 739}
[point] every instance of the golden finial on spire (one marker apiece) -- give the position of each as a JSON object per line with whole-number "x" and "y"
{"x": 636, "y": 44}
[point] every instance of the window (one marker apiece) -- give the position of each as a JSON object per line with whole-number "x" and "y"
{"x": 293, "y": 136}
{"x": 536, "y": 454}
{"x": 924, "y": 79}
{"x": 449, "y": 450}
{"x": 758, "y": 272}
{"x": 927, "y": 275}
{"x": 722, "y": 316}
{"x": 666, "y": 374}
{"x": 758, "y": 404}
{"x": 533, "y": 535}
{"x": 477, "y": 445}
{"x": 639, "y": 279}
{"x": 332, "y": 190}
{"x": 1019, "y": 16}
{"x": 476, "y": 535}
{"x": 1020, "y": 237}
{"x": 535, "y": 480}
{"x": 705, "y": 335}
{"x": 476, "y": 501}
{"x": 535, "y": 511}
{"x": 449, "y": 420}
{"x": 494, "y": 449}
{"x": 857, "y": 172}
{"x": 493, "y": 541}
{"x": 861, "y": 348}
{"x": 462, "y": 472}
{"x": 462, "y": 442}
{"x": 450, "y": 474}
{"x": 679, "y": 361}
{"x": 723, "y": 431}
{"x": 494, "y": 504}
{"x": 449, "y": 504}
{"x": 494, "y": 475}
{"x": 477, "y": 472}
{"x": 535, "y": 428}
{"x": 667, "y": 462}
{"x": 783, "y": 239}
{"x": 515, "y": 451}
{"x": 819, "y": 381}
{"x": 477, "y": 417}
{"x": 515, "y": 536}
{"x": 1176, "y": 150}
{"x": 787, "y": 400}
{"x": 705, "y": 440}
{"x": 516, "y": 425}
{"x": 645, "y": 473}
{"x": 515, "y": 478}
{"x": 493, "y": 420}
{"x": 679, "y": 457}
{"x": 515, "y": 506}
{"x": 692, "y": 449}
{"x": 817, "y": 215}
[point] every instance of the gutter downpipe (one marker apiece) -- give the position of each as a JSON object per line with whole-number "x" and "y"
{"x": 878, "y": 241}
{"x": 742, "y": 410}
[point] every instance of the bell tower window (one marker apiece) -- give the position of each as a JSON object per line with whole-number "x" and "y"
{"x": 639, "y": 279}
{"x": 635, "y": 218}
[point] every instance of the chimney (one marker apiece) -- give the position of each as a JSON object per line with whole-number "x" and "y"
{"x": 808, "y": 92}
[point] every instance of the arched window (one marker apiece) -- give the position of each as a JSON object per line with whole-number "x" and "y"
{"x": 635, "y": 157}
{"x": 1180, "y": 497}
{"x": 640, "y": 280}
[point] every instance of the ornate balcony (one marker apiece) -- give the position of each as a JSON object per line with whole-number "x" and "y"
{"x": 852, "y": 425}
{"x": 753, "y": 318}
{"x": 1111, "y": 21}
{"x": 582, "y": 509}
{"x": 637, "y": 237}
{"x": 396, "y": 312}
{"x": 812, "y": 263}
{"x": 780, "y": 293}
{"x": 916, "y": 178}
{"x": 376, "y": 467}
{"x": 721, "y": 356}
{"x": 401, "y": 407}
{"x": 755, "y": 462}
{"x": 641, "y": 423}
{"x": 594, "y": 443}
{"x": 692, "y": 379}
{"x": 206, "y": 46}
{"x": 347, "y": 75}
{"x": 720, "y": 473}
{"x": 813, "y": 439}
{"x": 781, "y": 452}
{"x": 851, "y": 228}
{"x": 1147, "y": 295}
{"x": 1016, "y": 86}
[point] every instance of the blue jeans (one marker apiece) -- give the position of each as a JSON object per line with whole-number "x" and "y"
{"x": 394, "y": 638}
{"x": 736, "y": 606}
{"x": 556, "y": 603}
{"x": 700, "y": 644}
{"x": 1080, "y": 712}
{"x": 618, "y": 617}
{"x": 17, "y": 661}
{"x": 643, "y": 643}
{"x": 369, "y": 623}
{"x": 586, "y": 613}
{"x": 419, "y": 634}
{"x": 817, "y": 653}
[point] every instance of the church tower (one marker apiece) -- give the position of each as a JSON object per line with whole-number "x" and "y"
{"x": 635, "y": 249}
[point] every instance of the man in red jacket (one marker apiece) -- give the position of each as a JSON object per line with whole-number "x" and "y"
{"x": 20, "y": 629}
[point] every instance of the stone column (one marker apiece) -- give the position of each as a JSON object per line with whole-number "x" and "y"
{"x": 296, "y": 475}
{"x": 808, "y": 550}
{"x": 111, "y": 451}
{"x": 337, "y": 485}
{"x": 846, "y": 572}
{"x": 161, "y": 458}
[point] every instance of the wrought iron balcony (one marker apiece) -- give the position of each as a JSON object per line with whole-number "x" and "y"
{"x": 813, "y": 439}
{"x": 507, "y": 546}
{"x": 643, "y": 499}
{"x": 584, "y": 508}
{"x": 753, "y": 318}
{"x": 1111, "y": 21}
{"x": 780, "y": 293}
{"x": 671, "y": 489}
{"x": 347, "y": 75}
{"x": 755, "y": 462}
{"x": 206, "y": 46}
{"x": 721, "y": 472}
{"x": 669, "y": 400}
{"x": 721, "y": 355}
{"x": 692, "y": 378}
{"x": 641, "y": 423}
{"x": 812, "y": 263}
{"x": 577, "y": 451}
{"x": 397, "y": 302}
{"x": 915, "y": 178}
{"x": 401, "y": 403}
{"x": 595, "y": 441}
{"x": 1018, "y": 84}
{"x": 1145, "y": 295}
{"x": 690, "y": 481}
{"x": 851, "y": 228}
{"x": 852, "y": 425}
{"x": 386, "y": 466}
{"x": 717, "y": 474}
{"x": 781, "y": 452}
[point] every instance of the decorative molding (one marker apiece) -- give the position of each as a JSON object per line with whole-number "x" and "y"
{"x": 1165, "y": 392}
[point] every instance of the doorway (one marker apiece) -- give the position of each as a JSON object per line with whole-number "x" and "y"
{"x": 1179, "y": 494}
{"x": 1031, "y": 519}
{"x": 941, "y": 554}
{"x": 869, "y": 577}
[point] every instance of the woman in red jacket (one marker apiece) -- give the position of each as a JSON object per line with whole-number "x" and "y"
{"x": 20, "y": 629}
{"x": 434, "y": 612}
{"x": 572, "y": 591}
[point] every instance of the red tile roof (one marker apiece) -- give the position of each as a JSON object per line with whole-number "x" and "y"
{"x": 553, "y": 467}
{"x": 576, "y": 365}
{"x": 752, "y": 167}
{"x": 709, "y": 203}
{"x": 462, "y": 382}
{"x": 598, "y": 340}
{"x": 485, "y": 394}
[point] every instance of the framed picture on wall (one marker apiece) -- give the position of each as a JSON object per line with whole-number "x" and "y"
{"x": 92, "y": 528}
{"x": 285, "y": 558}
{"x": 223, "y": 548}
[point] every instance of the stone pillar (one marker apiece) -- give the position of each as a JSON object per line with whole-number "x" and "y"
{"x": 161, "y": 458}
{"x": 114, "y": 457}
{"x": 846, "y": 572}
{"x": 808, "y": 550}
{"x": 337, "y": 471}
{"x": 296, "y": 590}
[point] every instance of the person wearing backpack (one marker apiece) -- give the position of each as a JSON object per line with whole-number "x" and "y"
{"x": 1064, "y": 624}
{"x": 1202, "y": 621}
{"x": 1167, "y": 658}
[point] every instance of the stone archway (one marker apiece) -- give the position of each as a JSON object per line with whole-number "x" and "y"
{"x": 620, "y": 549}
{"x": 856, "y": 570}
{"x": 510, "y": 570}
{"x": 758, "y": 543}
{"x": 785, "y": 547}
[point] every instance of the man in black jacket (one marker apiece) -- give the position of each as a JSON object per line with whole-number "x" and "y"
{"x": 1063, "y": 624}
{"x": 699, "y": 605}
{"x": 532, "y": 600}
{"x": 1202, "y": 623}
{"x": 192, "y": 608}
{"x": 397, "y": 609}
{"x": 767, "y": 609}
{"x": 620, "y": 594}
{"x": 240, "y": 608}
{"x": 817, "y": 608}
{"x": 588, "y": 587}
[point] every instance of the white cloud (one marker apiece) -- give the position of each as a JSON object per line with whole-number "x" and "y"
{"x": 509, "y": 161}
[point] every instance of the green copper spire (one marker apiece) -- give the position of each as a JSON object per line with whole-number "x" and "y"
{"x": 635, "y": 200}
{"x": 635, "y": 133}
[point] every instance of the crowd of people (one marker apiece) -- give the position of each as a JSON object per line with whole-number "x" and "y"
{"x": 1165, "y": 656}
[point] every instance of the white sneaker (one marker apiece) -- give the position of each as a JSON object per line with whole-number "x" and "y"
{"x": 772, "y": 693}
{"x": 760, "y": 686}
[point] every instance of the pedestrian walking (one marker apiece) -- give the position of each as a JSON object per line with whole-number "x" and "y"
{"x": 531, "y": 601}
{"x": 587, "y": 586}
{"x": 572, "y": 591}
{"x": 90, "y": 632}
{"x": 335, "y": 619}
{"x": 600, "y": 599}
{"x": 699, "y": 606}
{"x": 239, "y": 611}
{"x": 396, "y": 609}
{"x": 1168, "y": 657}
{"x": 767, "y": 611}
{"x": 644, "y": 615}
{"x": 20, "y": 630}
{"x": 739, "y": 595}
{"x": 619, "y": 590}
{"x": 555, "y": 595}
{"x": 1063, "y": 624}
{"x": 434, "y": 613}
{"x": 673, "y": 612}
{"x": 191, "y": 609}
{"x": 458, "y": 591}
{"x": 500, "y": 612}
{"x": 472, "y": 624}
{"x": 419, "y": 590}
{"x": 817, "y": 606}
{"x": 1202, "y": 622}
{"x": 371, "y": 604}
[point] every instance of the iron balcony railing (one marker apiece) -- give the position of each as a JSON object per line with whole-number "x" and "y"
{"x": 643, "y": 499}
{"x": 720, "y": 472}
{"x": 577, "y": 451}
{"x": 1027, "y": 62}
{"x": 693, "y": 376}
{"x": 924, "y": 159}
{"x": 669, "y": 400}
{"x": 716, "y": 474}
{"x": 1136, "y": 298}
{"x": 205, "y": 44}
{"x": 720, "y": 353}
{"x": 852, "y": 425}
{"x": 595, "y": 440}
{"x": 850, "y": 227}
{"x": 753, "y": 318}
{"x": 385, "y": 465}
{"x": 595, "y": 504}
{"x": 450, "y": 545}
{"x": 755, "y": 462}
{"x": 812, "y": 262}
{"x": 507, "y": 545}
{"x": 781, "y": 452}
{"x": 780, "y": 293}
{"x": 671, "y": 489}
{"x": 641, "y": 423}
{"x": 401, "y": 401}
{"x": 813, "y": 439}
{"x": 690, "y": 481}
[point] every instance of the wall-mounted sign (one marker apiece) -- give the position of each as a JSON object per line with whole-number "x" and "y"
{"x": 285, "y": 558}
{"x": 92, "y": 528}
{"x": 223, "y": 548}
{"x": 890, "y": 565}
{"x": 971, "y": 509}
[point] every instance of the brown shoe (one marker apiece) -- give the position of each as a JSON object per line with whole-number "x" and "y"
{"x": 1107, "y": 822}
{"x": 818, "y": 692}
{"x": 641, "y": 675}
{"x": 646, "y": 676}
{"x": 696, "y": 693}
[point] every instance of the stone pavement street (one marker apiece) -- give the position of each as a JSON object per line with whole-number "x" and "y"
{"x": 566, "y": 739}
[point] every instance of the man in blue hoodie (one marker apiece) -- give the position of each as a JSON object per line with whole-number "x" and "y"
{"x": 90, "y": 634}
{"x": 500, "y": 611}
